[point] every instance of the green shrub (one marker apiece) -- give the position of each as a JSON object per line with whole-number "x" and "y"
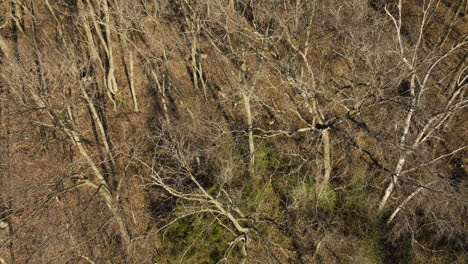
{"x": 259, "y": 198}
{"x": 327, "y": 199}
{"x": 266, "y": 158}
{"x": 196, "y": 239}
{"x": 357, "y": 198}
{"x": 367, "y": 251}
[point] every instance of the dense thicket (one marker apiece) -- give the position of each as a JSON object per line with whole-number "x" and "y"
{"x": 233, "y": 131}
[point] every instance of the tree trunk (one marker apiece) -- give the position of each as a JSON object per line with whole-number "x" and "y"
{"x": 248, "y": 113}
{"x": 326, "y": 162}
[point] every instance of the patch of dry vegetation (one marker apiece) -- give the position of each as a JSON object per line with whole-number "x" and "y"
{"x": 233, "y": 131}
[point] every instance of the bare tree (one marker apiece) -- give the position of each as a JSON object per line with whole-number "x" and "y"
{"x": 422, "y": 78}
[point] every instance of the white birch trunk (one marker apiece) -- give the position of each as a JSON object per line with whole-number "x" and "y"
{"x": 392, "y": 216}
{"x": 404, "y": 155}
